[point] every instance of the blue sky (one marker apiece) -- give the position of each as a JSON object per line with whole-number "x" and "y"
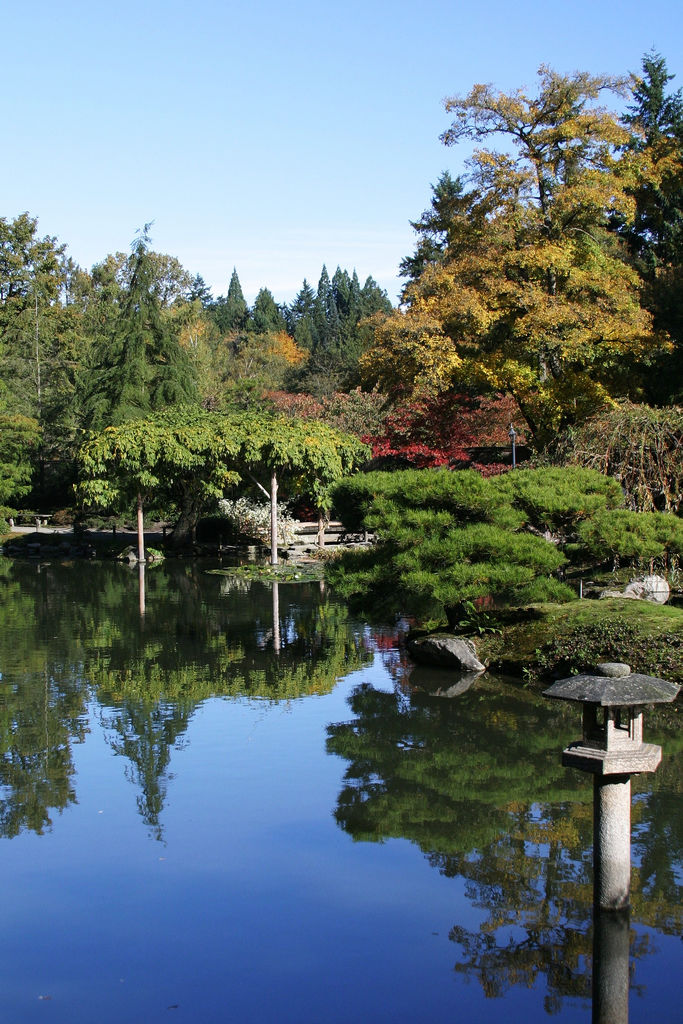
{"x": 272, "y": 136}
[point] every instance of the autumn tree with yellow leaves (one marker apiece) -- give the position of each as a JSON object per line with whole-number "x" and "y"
{"x": 530, "y": 292}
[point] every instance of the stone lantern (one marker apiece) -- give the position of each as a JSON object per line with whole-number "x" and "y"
{"x": 612, "y": 749}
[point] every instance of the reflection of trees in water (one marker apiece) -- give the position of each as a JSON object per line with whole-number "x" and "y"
{"x": 477, "y": 783}
{"x": 40, "y": 718}
{"x": 42, "y": 710}
{"x": 146, "y": 734}
{"x": 76, "y": 633}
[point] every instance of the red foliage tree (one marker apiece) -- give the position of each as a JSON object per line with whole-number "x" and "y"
{"x": 447, "y": 430}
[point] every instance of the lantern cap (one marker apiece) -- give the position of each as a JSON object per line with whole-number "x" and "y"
{"x": 614, "y": 688}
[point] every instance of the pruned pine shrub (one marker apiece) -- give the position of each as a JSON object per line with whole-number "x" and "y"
{"x": 635, "y": 536}
{"x": 443, "y": 539}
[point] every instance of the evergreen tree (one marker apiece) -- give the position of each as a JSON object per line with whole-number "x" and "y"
{"x": 201, "y": 291}
{"x": 341, "y": 289}
{"x": 373, "y": 299}
{"x": 355, "y": 299}
{"x": 325, "y": 315}
{"x": 266, "y": 315}
{"x": 300, "y": 318}
{"x": 140, "y": 367}
{"x": 434, "y": 226}
{"x": 231, "y": 312}
{"x": 656, "y": 235}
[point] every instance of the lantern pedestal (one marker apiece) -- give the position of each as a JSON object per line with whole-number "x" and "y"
{"x": 611, "y": 841}
{"x": 612, "y": 749}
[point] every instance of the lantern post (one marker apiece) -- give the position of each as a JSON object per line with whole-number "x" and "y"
{"x": 612, "y": 749}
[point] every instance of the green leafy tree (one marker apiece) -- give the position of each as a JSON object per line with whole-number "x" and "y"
{"x": 19, "y": 437}
{"x": 307, "y": 457}
{"x": 189, "y": 457}
{"x": 32, "y": 278}
{"x": 181, "y": 456}
{"x": 41, "y": 345}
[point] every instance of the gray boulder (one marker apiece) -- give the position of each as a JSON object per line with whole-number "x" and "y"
{"x": 649, "y": 588}
{"x": 644, "y": 588}
{"x": 128, "y": 554}
{"x": 447, "y": 651}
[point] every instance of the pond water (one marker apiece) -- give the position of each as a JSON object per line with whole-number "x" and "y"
{"x": 243, "y": 805}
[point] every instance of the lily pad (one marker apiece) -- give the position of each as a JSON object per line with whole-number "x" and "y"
{"x": 309, "y": 573}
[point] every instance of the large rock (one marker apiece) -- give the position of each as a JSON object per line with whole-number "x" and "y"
{"x": 128, "y": 554}
{"x": 644, "y": 588}
{"x": 447, "y": 651}
{"x": 649, "y": 588}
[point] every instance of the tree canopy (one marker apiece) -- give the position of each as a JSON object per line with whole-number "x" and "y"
{"x": 189, "y": 457}
{"x": 525, "y": 291}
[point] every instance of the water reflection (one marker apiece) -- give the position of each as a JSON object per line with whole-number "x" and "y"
{"x": 611, "y": 973}
{"x": 476, "y": 782}
{"x": 469, "y": 772}
{"x": 71, "y": 637}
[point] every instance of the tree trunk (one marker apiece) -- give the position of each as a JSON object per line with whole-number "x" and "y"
{"x": 321, "y": 530}
{"x": 141, "y": 531}
{"x": 273, "y": 517}
{"x": 184, "y": 532}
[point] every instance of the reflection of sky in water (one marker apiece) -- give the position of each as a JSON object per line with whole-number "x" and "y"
{"x": 252, "y": 904}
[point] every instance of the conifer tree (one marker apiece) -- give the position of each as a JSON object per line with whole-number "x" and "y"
{"x": 300, "y": 318}
{"x": 266, "y": 315}
{"x": 656, "y": 235}
{"x": 434, "y": 227}
{"x": 325, "y": 316}
{"x": 231, "y": 312}
{"x": 200, "y": 290}
{"x": 140, "y": 367}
